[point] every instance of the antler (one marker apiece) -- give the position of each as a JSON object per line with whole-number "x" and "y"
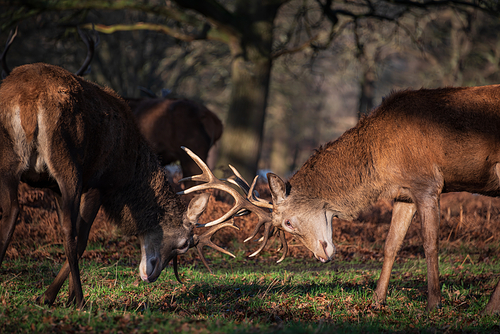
{"x": 10, "y": 39}
{"x": 252, "y": 197}
{"x": 251, "y": 202}
{"x": 205, "y": 240}
{"x": 91, "y": 45}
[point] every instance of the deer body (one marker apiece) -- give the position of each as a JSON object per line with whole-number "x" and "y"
{"x": 413, "y": 147}
{"x": 62, "y": 132}
{"x": 167, "y": 124}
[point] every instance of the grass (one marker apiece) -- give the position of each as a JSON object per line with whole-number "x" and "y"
{"x": 250, "y": 295}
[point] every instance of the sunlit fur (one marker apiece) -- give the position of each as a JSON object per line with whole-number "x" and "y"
{"x": 80, "y": 140}
{"x": 413, "y": 147}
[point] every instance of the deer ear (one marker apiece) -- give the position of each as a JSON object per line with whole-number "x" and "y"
{"x": 196, "y": 207}
{"x": 277, "y": 186}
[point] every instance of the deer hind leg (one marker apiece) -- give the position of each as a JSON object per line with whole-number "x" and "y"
{"x": 10, "y": 210}
{"x": 89, "y": 207}
{"x": 402, "y": 215}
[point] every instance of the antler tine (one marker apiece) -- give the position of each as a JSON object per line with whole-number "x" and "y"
{"x": 205, "y": 176}
{"x": 284, "y": 245}
{"x": 10, "y": 39}
{"x": 257, "y": 200}
{"x": 176, "y": 272}
{"x": 249, "y": 190}
{"x": 267, "y": 231}
{"x": 91, "y": 45}
{"x": 255, "y": 230}
{"x": 205, "y": 240}
{"x": 240, "y": 181}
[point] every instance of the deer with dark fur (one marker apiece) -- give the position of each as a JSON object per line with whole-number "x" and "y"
{"x": 61, "y": 132}
{"x": 415, "y": 146}
{"x": 167, "y": 124}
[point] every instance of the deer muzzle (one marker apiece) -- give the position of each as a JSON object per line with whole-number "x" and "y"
{"x": 326, "y": 251}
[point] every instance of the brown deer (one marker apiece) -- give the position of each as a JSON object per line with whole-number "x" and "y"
{"x": 413, "y": 147}
{"x": 167, "y": 124}
{"x": 61, "y": 132}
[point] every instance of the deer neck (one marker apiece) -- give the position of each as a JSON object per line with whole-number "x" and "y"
{"x": 341, "y": 174}
{"x": 146, "y": 201}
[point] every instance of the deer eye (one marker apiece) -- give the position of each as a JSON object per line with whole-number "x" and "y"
{"x": 288, "y": 224}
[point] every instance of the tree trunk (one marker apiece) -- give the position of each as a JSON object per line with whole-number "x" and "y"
{"x": 241, "y": 142}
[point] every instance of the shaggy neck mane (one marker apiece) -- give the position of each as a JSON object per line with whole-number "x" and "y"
{"x": 145, "y": 200}
{"x": 341, "y": 173}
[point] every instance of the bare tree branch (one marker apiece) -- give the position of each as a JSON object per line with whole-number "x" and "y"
{"x": 207, "y": 32}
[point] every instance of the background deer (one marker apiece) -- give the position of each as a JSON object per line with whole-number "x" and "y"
{"x": 167, "y": 124}
{"x": 61, "y": 132}
{"x": 413, "y": 147}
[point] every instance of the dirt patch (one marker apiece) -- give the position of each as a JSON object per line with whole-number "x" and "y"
{"x": 467, "y": 219}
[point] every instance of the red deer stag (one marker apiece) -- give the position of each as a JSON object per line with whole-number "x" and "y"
{"x": 61, "y": 132}
{"x": 413, "y": 147}
{"x": 169, "y": 124}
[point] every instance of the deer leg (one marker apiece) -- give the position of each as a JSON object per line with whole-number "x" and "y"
{"x": 68, "y": 212}
{"x": 10, "y": 211}
{"x": 430, "y": 216}
{"x": 493, "y": 305}
{"x": 89, "y": 207}
{"x": 402, "y": 215}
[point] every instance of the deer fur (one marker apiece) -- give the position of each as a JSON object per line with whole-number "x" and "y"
{"x": 62, "y": 132}
{"x": 416, "y": 145}
{"x": 168, "y": 124}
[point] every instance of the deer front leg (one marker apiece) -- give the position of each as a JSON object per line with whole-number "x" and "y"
{"x": 89, "y": 207}
{"x": 90, "y": 203}
{"x": 430, "y": 216}
{"x": 402, "y": 215}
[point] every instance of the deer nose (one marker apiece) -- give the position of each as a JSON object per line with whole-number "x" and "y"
{"x": 149, "y": 269}
{"x": 324, "y": 257}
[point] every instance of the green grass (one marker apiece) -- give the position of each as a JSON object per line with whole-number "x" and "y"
{"x": 251, "y": 295}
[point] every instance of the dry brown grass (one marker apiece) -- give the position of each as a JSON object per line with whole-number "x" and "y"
{"x": 467, "y": 219}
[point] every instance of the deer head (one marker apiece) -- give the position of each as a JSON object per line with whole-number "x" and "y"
{"x": 307, "y": 219}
